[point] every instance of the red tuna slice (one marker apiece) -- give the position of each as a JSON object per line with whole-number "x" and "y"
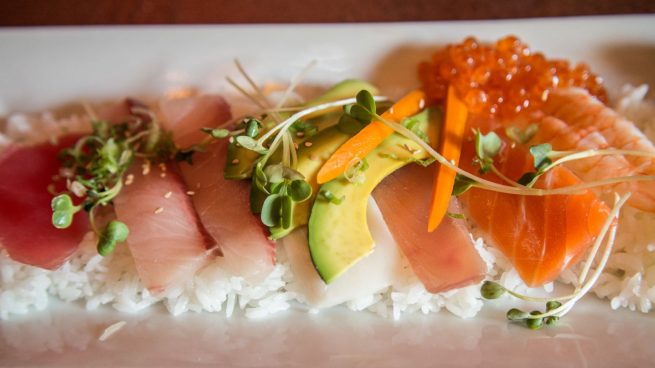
{"x": 26, "y": 229}
{"x": 444, "y": 259}
{"x": 185, "y": 116}
{"x": 223, "y": 206}
{"x": 166, "y": 239}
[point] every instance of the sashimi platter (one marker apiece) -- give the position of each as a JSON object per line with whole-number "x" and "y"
{"x": 447, "y": 175}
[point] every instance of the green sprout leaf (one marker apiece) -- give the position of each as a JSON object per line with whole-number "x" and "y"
{"x": 216, "y": 133}
{"x": 522, "y": 136}
{"x": 330, "y": 197}
{"x": 349, "y": 125}
{"x": 270, "y": 215}
{"x": 462, "y": 184}
{"x": 365, "y": 99}
{"x": 114, "y": 232}
{"x": 286, "y": 211}
{"x": 456, "y": 216}
{"x": 491, "y": 290}
{"x": 486, "y": 148}
{"x": 63, "y": 211}
{"x": 552, "y": 304}
{"x": 251, "y": 144}
{"x": 534, "y": 323}
{"x": 358, "y": 113}
{"x": 540, "y": 154}
{"x": 300, "y": 190}
{"x": 261, "y": 179}
{"x": 253, "y": 127}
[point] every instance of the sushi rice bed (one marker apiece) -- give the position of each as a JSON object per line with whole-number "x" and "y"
{"x": 94, "y": 281}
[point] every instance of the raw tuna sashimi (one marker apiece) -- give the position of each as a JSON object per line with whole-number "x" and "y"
{"x": 223, "y": 205}
{"x": 444, "y": 259}
{"x": 167, "y": 239}
{"x": 26, "y": 229}
{"x": 541, "y": 235}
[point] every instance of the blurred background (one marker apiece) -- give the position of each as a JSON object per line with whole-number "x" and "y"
{"x": 98, "y": 12}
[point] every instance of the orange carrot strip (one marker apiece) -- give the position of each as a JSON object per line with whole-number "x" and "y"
{"x": 450, "y": 148}
{"x": 357, "y": 147}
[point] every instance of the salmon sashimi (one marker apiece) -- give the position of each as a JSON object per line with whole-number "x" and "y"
{"x": 223, "y": 205}
{"x": 167, "y": 240}
{"x": 185, "y": 116}
{"x": 541, "y": 235}
{"x": 574, "y": 120}
{"x": 444, "y": 259}
{"x": 26, "y": 229}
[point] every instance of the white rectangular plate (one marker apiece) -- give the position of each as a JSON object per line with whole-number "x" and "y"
{"x": 47, "y": 68}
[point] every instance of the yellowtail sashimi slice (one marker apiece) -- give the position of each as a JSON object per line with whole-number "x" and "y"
{"x": 167, "y": 239}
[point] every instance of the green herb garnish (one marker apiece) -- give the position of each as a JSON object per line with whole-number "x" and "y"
{"x": 283, "y": 186}
{"x": 96, "y": 165}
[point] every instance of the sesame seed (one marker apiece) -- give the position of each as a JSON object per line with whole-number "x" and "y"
{"x": 145, "y": 168}
{"x": 159, "y": 210}
{"x": 308, "y": 144}
{"x": 300, "y": 134}
{"x": 168, "y": 195}
{"x": 421, "y": 104}
{"x": 235, "y": 161}
{"x": 391, "y": 110}
{"x": 162, "y": 167}
{"x": 190, "y": 192}
{"x": 162, "y": 175}
{"x": 313, "y": 157}
{"x": 295, "y": 145}
{"x": 129, "y": 179}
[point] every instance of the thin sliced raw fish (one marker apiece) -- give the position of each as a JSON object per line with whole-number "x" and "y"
{"x": 577, "y": 121}
{"x": 444, "y": 259}
{"x": 167, "y": 239}
{"x": 223, "y": 205}
{"x": 541, "y": 235}
{"x": 378, "y": 270}
{"x": 185, "y": 116}
{"x": 26, "y": 229}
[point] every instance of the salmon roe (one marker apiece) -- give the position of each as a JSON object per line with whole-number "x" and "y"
{"x": 504, "y": 79}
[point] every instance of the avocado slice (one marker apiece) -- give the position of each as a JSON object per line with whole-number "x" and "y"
{"x": 310, "y": 160}
{"x": 241, "y": 161}
{"x": 338, "y": 233}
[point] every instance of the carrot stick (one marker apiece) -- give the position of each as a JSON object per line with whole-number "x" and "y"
{"x": 451, "y": 147}
{"x": 357, "y": 147}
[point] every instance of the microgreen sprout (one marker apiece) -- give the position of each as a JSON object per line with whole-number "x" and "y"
{"x": 355, "y": 171}
{"x": 216, "y": 133}
{"x": 330, "y": 197}
{"x": 456, "y": 216}
{"x": 63, "y": 211}
{"x": 114, "y": 232}
{"x": 96, "y": 165}
{"x": 520, "y": 136}
{"x": 486, "y": 148}
{"x": 283, "y": 186}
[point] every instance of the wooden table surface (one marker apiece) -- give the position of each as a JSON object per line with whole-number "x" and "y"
{"x": 98, "y": 12}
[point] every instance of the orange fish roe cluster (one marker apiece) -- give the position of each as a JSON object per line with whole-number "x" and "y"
{"x": 504, "y": 79}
